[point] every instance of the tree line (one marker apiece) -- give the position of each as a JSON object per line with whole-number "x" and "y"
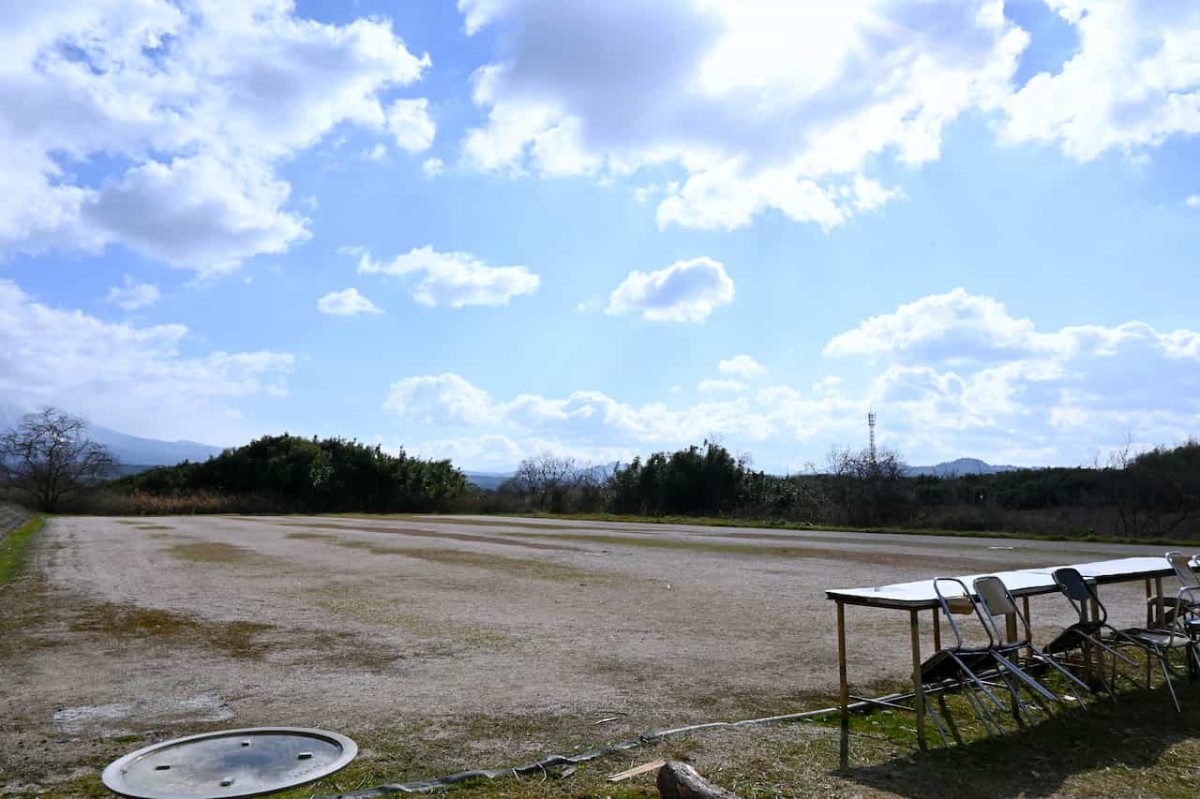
{"x": 47, "y": 462}
{"x": 1149, "y": 494}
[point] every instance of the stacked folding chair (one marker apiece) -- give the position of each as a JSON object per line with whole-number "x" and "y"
{"x": 996, "y": 602}
{"x": 975, "y": 667}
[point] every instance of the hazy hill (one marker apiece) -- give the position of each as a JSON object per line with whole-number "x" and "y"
{"x": 959, "y": 466}
{"x": 130, "y": 451}
{"x": 488, "y": 481}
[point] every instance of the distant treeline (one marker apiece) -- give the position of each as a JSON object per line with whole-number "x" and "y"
{"x": 1152, "y": 494}
{"x": 291, "y": 474}
{"x": 48, "y": 462}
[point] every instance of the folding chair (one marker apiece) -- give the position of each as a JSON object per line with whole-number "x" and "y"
{"x": 1088, "y": 631}
{"x": 1181, "y": 564}
{"x": 961, "y": 666}
{"x": 997, "y": 601}
{"x": 1185, "y": 614}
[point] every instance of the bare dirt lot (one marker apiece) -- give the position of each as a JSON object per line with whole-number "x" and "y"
{"x": 126, "y": 631}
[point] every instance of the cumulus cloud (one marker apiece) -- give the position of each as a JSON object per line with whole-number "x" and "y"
{"x": 432, "y": 167}
{"x": 410, "y": 124}
{"x": 790, "y": 106}
{"x": 741, "y": 365}
{"x": 1132, "y": 83}
{"x": 133, "y": 378}
{"x": 453, "y": 279}
{"x": 131, "y": 295}
{"x": 949, "y": 375}
{"x": 193, "y": 109}
{"x": 761, "y": 104}
{"x": 685, "y": 291}
{"x": 199, "y": 213}
{"x": 346, "y": 303}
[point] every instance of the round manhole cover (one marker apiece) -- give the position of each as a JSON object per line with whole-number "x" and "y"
{"x": 222, "y": 765}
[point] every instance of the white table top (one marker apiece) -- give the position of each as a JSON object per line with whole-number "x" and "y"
{"x": 1022, "y": 582}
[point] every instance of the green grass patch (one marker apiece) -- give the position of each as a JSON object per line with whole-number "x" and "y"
{"x": 15, "y": 547}
{"x": 217, "y": 552}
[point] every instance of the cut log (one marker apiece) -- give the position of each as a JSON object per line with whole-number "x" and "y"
{"x": 680, "y": 781}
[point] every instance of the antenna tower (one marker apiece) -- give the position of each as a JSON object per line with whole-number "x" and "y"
{"x": 871, "y": 432}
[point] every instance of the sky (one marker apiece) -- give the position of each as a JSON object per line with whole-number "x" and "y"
{"x": 490, "y": 230}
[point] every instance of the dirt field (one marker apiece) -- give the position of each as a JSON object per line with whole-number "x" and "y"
{"x": 125, "y": 631}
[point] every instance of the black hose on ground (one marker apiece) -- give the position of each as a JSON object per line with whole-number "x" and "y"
{"x": 550, "y": 761}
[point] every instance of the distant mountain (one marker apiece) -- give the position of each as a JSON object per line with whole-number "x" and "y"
{"x": 131, "y": 452}
{"x": 134, "y": 450}
{"x": 957, "y": 467}
{"x": 488, "y": 481}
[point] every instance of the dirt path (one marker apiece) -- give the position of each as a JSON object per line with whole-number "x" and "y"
{"x": 132, "y": 629}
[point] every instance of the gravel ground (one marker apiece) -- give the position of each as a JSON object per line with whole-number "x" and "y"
{"x": 140, "y": 629}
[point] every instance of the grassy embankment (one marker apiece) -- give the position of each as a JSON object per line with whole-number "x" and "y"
{"x": 14, "y": 546}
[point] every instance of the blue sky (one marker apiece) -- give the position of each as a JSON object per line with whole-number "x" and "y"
{"x": 504, "y": 227}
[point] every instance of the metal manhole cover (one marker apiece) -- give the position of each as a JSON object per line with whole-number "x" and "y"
{"x": 231, "y": 763}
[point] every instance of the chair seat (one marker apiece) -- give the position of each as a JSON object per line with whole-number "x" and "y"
{"x": 1076, "y": 636}
{"x": 942, "y": 666}
{"x": 1162, "y": 639}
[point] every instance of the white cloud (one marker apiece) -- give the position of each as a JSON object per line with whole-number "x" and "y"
{"x": 135, "y": 379}
{"x": 452, "y": 279}
{"x": 346, "y": 303}
{"x": 741, "y": 365}
{"x": 958, "y": 328}
{"x": 761, "y": 104}
{"x": 973, "y": 381}
{"x": 1132, "y": 84}
{"x": 198, "y": 213}
{"x": 791, "y": 105}
{"x": 1193, "y": 201}
{"x": 376, "y": 153}
{"x": 963, "y": 325}
{"x": 410, "y": 124}
{"x": 433, "y": 167}
{"x": 685, "y": 291}
{"x": 131, "y": 295}
{"x": 194, "y": 107}
{"x": 720, "y": 386}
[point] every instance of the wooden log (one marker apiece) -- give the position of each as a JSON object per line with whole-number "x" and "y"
{"x": 680, "y": 781}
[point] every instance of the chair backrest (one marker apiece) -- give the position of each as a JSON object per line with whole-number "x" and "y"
{"x": 997, "y": 601}
{"x": 1182, "y": 564}
{"x": 956, "y": 600}
{"x": 1078, "y": 591}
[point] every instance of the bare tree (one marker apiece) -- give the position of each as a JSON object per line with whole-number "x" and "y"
{"x": 48, "y": 457}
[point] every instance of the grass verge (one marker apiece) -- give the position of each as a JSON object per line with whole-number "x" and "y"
{"x": 14, "y": 547}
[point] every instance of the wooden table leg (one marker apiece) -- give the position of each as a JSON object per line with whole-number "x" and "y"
{"x": 937, "y": 630}
{"x": 918, "y": 687}
{"x": 844, "y": 757}
{"x": 1150, "y": 622}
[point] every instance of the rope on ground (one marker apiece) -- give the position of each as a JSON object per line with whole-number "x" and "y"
{"x": 420, "y": 786}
